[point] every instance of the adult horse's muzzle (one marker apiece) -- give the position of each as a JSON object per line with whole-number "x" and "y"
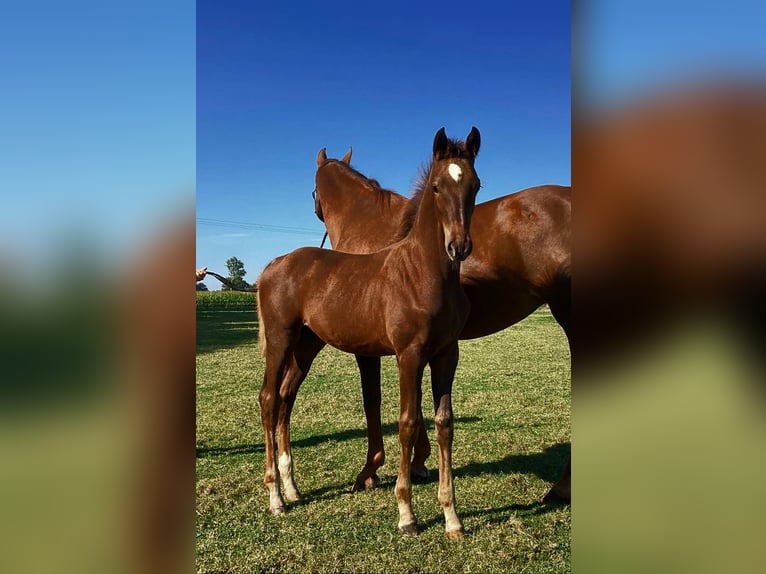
{"x": 459, "y": 250}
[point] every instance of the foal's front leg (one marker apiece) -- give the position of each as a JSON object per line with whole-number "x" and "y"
{"x": 411, "y": 366}
{"x": 442, "y": 374}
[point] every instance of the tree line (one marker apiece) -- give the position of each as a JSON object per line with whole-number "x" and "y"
{"x": 236, "y": 275}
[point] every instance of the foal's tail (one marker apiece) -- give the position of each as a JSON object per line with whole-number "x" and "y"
{"x": 261, "y": 330}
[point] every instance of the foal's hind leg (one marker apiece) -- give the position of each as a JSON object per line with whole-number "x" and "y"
{"x": 269, "y": 398}
{"x": 303, "y": 354}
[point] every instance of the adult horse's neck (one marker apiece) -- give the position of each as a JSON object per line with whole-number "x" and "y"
{"x": 358, "y": 214}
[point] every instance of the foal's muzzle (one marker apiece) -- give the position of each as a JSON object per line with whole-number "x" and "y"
{"x": 458, "y": 251}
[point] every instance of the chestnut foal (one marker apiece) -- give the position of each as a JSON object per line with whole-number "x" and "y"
{"x": 405, "y": 300}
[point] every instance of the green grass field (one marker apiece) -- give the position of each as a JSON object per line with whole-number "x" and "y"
{"x": 511, "y": 401}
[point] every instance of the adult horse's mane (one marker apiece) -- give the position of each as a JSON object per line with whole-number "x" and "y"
{"x": 456, "y": 148}
{"x": 383, "y": 195}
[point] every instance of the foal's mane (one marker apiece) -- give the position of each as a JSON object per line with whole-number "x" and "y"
{"x": 455, "y": 149}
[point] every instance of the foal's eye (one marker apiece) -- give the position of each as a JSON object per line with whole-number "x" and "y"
{"x": 435, "y": 188}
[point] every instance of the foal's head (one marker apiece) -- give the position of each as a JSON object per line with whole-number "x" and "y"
{"x": 454, "y": 184}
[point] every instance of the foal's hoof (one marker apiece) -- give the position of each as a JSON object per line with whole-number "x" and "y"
{"x": 277, "y": 511}
{"x": 553, "y": 498}
{"x": 292, "y": 496}
{"x": 411, "y": 529}
{"x": 456, "y": 534}
{"x": 419, "y": 473}
{"x": 365, "y": 483}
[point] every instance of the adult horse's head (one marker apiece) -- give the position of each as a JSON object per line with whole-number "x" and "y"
{"x": 321, "y": 160}
{"x": 454, "y": 184}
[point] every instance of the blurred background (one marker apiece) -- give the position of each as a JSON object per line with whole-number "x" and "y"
{"x": 98, "y": 181}
{"x": 669, "y": 259}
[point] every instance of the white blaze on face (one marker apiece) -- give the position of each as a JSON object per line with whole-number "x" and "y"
{"x": 455, "y": 171}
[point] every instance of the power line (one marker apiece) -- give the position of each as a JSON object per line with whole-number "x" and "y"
{"x": 258, "y": 226}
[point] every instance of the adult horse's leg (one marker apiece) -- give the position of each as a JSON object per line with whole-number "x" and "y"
{"x": 422, "y": 449}
{"x": 560, "y": 303}
{"x": 369, "y": 370}
{"x": 442, "y": 374}
{"x": 410, "y": 395}
{"x": 561, "y": 492}
{"x": 303, "y": 355}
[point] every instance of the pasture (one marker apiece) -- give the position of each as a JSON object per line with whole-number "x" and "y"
{"x": 511, "y": 400}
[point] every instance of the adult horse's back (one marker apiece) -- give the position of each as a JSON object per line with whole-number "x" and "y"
{"x": 521, "y": 260}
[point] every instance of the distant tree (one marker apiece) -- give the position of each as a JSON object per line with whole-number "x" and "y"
{"x": 201, "y": 286}
{"x": 236, "y": 273}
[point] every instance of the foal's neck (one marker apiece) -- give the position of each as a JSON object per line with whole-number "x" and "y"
{"x": 427, "y": 237}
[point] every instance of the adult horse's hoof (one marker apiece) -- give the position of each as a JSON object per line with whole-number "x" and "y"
{"x": 456, "y": 534}
{"x": 365, "y": 483}
{"x": 553, "y": 498}
{"x": 419, "y": 473}
{"x": 410, "y": 529}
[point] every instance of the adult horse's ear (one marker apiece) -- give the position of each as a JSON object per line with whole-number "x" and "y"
{"x": 441, "y": 144}
{"x": 347, "y": 158}
{"x": 322, "y": 156}
{"x": 473, "y": 142}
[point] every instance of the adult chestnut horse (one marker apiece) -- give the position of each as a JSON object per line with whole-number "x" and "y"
{"x": 521, "y": 260}
{"x": 404, "y": 300}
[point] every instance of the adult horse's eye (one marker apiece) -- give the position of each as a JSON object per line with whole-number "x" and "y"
{"x": 435, "y": 188}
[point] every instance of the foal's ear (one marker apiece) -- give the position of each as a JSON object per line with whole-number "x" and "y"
{"x": 347, "y": 158}
{"x": 441, "y": 144}
{"x": 473, "y": 142}
{"x": 322, "y": 156}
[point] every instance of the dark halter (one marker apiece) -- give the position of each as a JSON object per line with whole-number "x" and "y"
{"x": 314, "y": 197}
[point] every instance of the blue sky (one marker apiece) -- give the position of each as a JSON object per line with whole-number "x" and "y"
{"x": 277, "y": 83}
{"x": 111, "y": 110}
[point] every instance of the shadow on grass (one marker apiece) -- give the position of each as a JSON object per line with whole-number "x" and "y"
{"x": 225, "y": 328}
{"x": 350, "y": 434}
{"x": 331, "y": 492}
{"x": 492, "y": 515}
{"x": 547, "y": 465}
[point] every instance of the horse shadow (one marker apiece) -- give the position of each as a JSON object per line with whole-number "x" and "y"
{"x": 391, "y": 428}
{"x": 546, "y": 465}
